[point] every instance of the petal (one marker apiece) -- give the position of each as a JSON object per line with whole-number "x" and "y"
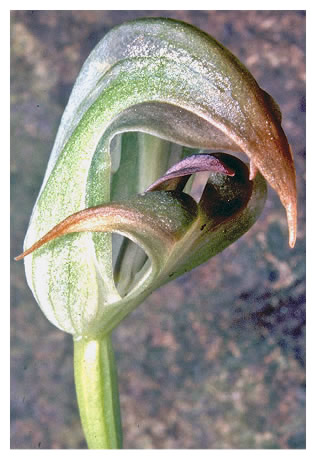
{"x": 153, "y": 220}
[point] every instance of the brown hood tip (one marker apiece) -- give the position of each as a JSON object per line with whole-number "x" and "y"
{"x": 291, "y": 213}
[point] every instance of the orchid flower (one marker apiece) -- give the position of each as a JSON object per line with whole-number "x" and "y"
{"x": 155, "y": 104}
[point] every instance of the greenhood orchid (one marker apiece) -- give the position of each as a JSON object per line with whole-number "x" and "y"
{"x": 156, "y": 103}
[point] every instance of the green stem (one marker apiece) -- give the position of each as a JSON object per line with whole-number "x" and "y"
{"x": 97, "y": 392}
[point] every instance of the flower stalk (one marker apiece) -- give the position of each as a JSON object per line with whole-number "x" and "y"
{"x": 97, "y": 392}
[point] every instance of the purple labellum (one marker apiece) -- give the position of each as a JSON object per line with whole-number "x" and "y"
{"x": 177, "y": 176}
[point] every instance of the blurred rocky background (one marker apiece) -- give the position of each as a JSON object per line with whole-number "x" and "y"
{"x": 215, "y": 359}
